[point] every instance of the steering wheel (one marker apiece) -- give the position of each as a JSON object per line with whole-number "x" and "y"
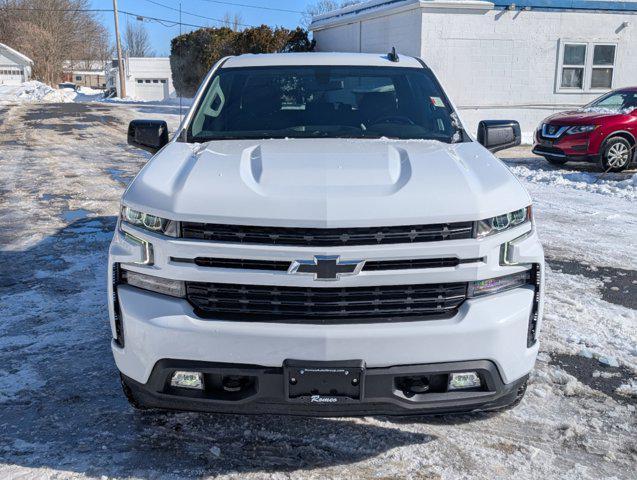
{"x": 393, "y": 119}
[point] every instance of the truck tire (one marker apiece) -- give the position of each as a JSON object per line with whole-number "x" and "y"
{"x": 617, "y": 154}
{"x": 135, "y": 402}
{"x": 516, "y": 402}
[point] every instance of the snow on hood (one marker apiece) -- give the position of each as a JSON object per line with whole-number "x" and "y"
{"x": 608, "y": 111}
{"x": 325, "y": 183}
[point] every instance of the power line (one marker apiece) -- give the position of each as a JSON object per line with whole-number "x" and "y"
{"x": 164, "y": 22}
{"x": 273, "y": 9}
{"x": 194, "y": 14}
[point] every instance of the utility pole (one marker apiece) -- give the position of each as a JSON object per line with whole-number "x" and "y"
{"x": 120, "y": 59}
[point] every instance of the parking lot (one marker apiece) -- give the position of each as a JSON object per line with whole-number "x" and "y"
{"x": 62, "y": 415}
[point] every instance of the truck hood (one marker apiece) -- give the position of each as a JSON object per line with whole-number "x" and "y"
{"x": 325, "y": 183}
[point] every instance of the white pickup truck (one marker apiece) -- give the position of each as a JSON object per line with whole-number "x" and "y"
{"x": 321, "y": 236}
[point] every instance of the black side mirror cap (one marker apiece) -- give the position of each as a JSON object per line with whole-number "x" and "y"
{"x": 496, "y": 135}
{"x": 149, "y": 135}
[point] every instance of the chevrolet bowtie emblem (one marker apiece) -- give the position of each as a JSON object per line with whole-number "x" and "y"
{"x": 326, "y": 267}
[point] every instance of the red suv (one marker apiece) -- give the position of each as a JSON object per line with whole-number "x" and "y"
{"x": 603, "y": 131}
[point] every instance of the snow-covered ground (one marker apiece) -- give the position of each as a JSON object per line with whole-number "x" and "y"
{"x": 38, "y": 92}
{"x": 62, "y": 414}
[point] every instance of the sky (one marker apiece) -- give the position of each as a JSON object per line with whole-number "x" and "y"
{"x": 161, "y": 35}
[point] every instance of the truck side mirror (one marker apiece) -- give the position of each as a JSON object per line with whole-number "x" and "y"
{"x": 496, "y": 135}
{"x": 149, "y": 135}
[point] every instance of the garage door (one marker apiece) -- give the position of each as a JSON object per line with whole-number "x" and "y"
{"x": 10, "y": 76}
{"x": 151, "y": 89}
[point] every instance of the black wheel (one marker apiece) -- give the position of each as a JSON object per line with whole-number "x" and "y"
{"x": 555, "y": 160}
{"x": 617, "y": 154}
{"x": 135, "y": 402}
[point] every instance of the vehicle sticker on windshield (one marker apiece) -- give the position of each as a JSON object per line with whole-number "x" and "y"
{"x": 437, "y": 102}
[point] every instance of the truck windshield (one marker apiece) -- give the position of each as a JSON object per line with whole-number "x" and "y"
{"x": 323, "y": 102}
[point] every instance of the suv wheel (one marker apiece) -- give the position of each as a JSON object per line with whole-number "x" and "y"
{"x": 617, "y": 154}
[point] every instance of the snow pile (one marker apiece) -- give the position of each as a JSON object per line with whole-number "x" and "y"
{"x": 173, "y": 101}
{"x": 33, "y": 92}
{"x": 589, "y": 182}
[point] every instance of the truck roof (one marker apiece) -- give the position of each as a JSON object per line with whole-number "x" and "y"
{"x": 320, "y": 58}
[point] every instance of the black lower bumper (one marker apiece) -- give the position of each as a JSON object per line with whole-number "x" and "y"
{"x": 366, "y": 391}
{"x": 559, "y": 154}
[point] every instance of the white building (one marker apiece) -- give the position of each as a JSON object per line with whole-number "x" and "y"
{"x": 519, "y": 60}
{"x": 147, "y": 78}
{"x": 85, "y": 73}
{"x": 15, "y": 68}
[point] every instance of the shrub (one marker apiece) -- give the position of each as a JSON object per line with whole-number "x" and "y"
{"x": 193, "y": 54}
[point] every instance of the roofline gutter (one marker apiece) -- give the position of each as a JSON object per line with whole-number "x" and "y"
{"x": 347, "y": 16}
{"x": 378, "y": 8}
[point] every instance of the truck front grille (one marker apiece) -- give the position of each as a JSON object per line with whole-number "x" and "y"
{"x": 325, "y": 237}
{"x": 324, "y": 305}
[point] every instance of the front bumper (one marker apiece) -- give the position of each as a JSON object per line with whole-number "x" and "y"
{"x": 494, "y": 328}
{"x": 156, "y": 327}
{"x": 381, "y": 393}
{"x": 583, "y": 147}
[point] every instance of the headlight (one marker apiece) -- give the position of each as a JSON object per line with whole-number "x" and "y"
{"x": 501, "y": 223}
{"x": 499, "y": 284}
{"x": 149, "y": 222}
{"x": 581, "y": 129}
{"x": 174, "y": 288}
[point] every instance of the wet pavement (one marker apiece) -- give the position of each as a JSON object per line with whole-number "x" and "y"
{"x": 591, "y": 372}
{"x": 619, "y": 285}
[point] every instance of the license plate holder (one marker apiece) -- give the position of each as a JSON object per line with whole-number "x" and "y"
{"x": 324, "y": 382}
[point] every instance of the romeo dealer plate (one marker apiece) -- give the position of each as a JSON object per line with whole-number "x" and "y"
{"x": 324, "y": 382}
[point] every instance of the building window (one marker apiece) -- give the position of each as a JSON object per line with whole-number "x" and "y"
{"x": 586, "y": 66}
{"x": 603, "y": 66}
{"x": 78, "y": 78}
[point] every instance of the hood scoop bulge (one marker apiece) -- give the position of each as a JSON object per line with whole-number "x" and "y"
{"x": 276, "y": 170}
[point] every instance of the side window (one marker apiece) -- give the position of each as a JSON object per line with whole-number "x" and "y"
{"x": 586, "y": 66}
{"x": 211, "y": 106}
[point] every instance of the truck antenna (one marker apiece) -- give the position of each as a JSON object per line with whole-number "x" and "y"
{"x": 393, "y": 56}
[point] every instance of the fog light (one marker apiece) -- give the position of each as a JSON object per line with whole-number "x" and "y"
{"x": 187, "y": 380}
{"x": 463, "y": 380}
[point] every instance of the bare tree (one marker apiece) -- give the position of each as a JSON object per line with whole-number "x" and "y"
{"x": 137, "y": 41}
{"x": 52, "y": 32}
{"x": 324, "y": 6}
{"x": 232, "y": 22}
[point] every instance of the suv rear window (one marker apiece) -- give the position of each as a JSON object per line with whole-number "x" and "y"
{"x": 323, "y": 102}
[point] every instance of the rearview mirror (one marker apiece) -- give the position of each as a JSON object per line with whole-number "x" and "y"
{"x": 496, "y": 135}
{"x": 149, "y": 135}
